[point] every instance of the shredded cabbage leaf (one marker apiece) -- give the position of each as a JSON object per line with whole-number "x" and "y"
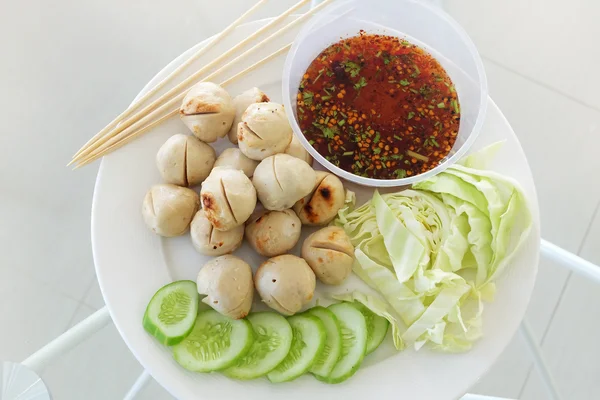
{"x": 406, "y": 302}
{"x": 434, "y": 252}
{"x": 481, "y": 159}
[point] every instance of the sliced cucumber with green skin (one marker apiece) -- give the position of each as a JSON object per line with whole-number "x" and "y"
{"x": 308, "y": 342}
{"x": 332, "y": 350}
{"x": 272, "y": 341}
{"x": 171, "y": 313}
{"x": 215, "y": 343}
{"x": 354, "y": 341}
{"x": 377, "y": 327}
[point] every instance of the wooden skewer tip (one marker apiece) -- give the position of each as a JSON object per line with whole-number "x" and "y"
{"x": 126, "y": 131}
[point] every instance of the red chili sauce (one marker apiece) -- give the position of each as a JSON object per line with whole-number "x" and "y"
{"x": 379, "y": 107}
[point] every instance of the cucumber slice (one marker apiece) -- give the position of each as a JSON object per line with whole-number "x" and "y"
{"x": 354, "y": 341}
{"x": 172, "y": 311}
{"x": 215, "y": 343}
{"x": 327, "y": 359}
{"x": 308, "y": 342}
{"x": 377, "y": 327}
{"x": 272, "y": 341}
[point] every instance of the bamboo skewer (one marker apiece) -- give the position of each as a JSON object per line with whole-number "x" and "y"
{"x": 134, "y": 126}
{"x": 172, "y": 75}
{"x": 188, "y": 81}
{"x": 113, "y": 138}
{"x": 129, "y": 138}
{"x": 251, "y": 68}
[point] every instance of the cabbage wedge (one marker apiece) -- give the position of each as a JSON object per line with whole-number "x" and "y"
{"x": 433, "y": 252}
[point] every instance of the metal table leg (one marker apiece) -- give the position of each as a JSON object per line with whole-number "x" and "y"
{"x": 138, "y": 385}
{"x": 65, "y": 342}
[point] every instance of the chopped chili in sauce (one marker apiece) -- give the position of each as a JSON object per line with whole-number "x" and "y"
{"x": 378, "y": 106}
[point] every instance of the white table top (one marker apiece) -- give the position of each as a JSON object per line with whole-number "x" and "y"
{"x": 68, "y": 67}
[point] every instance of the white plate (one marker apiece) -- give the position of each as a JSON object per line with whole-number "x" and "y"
{"x": 132, "y": 263}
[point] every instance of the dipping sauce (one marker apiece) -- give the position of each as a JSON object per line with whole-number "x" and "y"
{"x": 379, "y": 107}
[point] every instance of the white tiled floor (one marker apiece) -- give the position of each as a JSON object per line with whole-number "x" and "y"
{"x": 68, "y": 67}
{"x": 98, "y": 369}
{"x": 570, "y": 345}
{"x": 548, "y": 41}
{"x": 32, "y": 314}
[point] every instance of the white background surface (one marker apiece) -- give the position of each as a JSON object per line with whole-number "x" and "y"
{"x": 69, "y": 66}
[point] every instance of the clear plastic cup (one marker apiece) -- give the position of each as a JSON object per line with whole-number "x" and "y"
{"x": 416, "y": 21}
